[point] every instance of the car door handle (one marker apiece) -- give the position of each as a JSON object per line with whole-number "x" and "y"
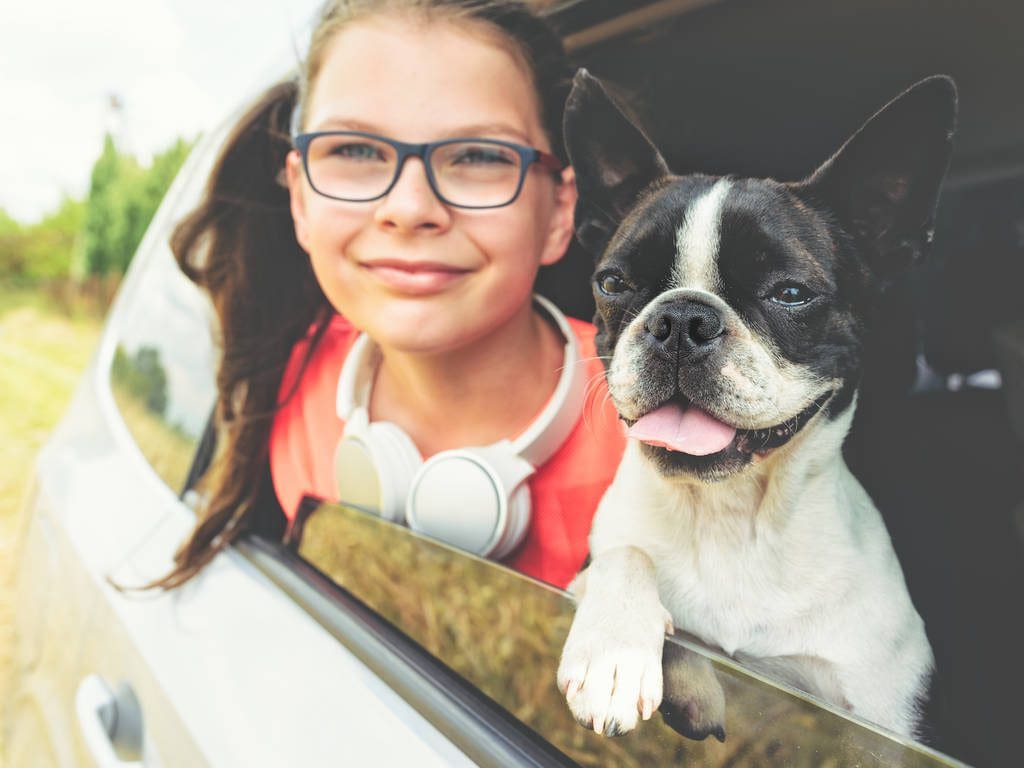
{"x": 111, "y": 723}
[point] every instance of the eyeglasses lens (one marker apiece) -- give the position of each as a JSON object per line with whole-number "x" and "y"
{"x": 476, "y": 174}
{"x": 350, "y": 167}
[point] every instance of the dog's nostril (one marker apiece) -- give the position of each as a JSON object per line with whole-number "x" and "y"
{"x": 703, "y": 329}
{"x": 659, "y": 327}
{"x": 704, "y": 324}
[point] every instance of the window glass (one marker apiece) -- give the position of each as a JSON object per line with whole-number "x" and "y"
{"x": 162, "y": 373}
{"x": 164, "y": 361}
{"x": 503, "y": 633}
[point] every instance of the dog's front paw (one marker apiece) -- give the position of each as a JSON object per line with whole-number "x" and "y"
{"x": 610, "y": 672}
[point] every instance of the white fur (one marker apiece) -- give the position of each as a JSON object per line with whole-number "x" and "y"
{"x": 696, "y": 263}
{"x": 786, "y": 566}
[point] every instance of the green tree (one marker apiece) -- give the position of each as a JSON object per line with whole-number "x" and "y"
{"x": 123, "y": 196}
{"x": 101, "y": 211}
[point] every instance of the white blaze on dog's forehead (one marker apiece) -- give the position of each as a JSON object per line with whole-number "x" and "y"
{"x": 698, "y": 239}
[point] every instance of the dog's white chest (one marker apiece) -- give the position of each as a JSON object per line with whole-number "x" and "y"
{"x": 727, "y": 571}
{"x": 729, "y": 594}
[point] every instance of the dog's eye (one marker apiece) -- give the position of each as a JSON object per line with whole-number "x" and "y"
{"x": 790, "y": 294}
{"x": 611, "y": 283}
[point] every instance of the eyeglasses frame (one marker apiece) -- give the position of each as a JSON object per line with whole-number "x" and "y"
{"x": 527, "y": 157}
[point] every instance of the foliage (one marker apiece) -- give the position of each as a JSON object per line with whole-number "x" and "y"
{"x": 123, "y": 196}
{"x": 97, "y": 237}
{"x": 40, "y": 251}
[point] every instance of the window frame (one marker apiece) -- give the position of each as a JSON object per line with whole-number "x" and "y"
{"x": 487, "y": 732}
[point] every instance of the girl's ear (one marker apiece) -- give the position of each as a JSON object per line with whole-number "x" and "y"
{"x": 296, "y": 179}
{"x": 561, "y": 232}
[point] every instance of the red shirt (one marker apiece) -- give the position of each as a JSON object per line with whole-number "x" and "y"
{"x": 564, "y": 492}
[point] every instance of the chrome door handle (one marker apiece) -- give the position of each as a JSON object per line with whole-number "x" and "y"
{"x": 111, "y": 723}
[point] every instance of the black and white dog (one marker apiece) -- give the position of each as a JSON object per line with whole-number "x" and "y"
{"x": 731, "y": 314}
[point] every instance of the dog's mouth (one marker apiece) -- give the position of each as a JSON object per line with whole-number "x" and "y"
{"x": 681, "y": 426}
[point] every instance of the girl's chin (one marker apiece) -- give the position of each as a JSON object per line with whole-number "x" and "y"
{"x": 428, "y": 325}
{"x": 412, "y": 329}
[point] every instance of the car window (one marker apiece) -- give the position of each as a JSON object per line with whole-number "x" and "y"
{"x": 161, "y": 375}
{"x": 164, "y": 356}
{"x": 502, "y": 633}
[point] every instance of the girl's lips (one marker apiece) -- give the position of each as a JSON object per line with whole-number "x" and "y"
{"x": 416, "y": 279}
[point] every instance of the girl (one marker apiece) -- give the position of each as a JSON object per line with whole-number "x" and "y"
{"x": 425, "y": 191}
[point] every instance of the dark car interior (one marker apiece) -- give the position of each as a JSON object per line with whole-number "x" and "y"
{"x": 772, "y": 89}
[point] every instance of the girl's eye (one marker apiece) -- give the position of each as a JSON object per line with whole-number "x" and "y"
{"x": 482, "y": 155}
{"x": 611, "y": 284}
{"x": 357, "y": 151}
{"x": 791, "y": 294}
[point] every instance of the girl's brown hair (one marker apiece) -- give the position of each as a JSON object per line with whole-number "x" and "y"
{"x": 239, "y": 245}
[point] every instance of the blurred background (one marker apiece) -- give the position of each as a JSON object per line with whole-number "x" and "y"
{"x": 102, "y": 102}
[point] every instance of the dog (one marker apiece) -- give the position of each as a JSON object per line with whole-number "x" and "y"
{"x": 731, "y": 316}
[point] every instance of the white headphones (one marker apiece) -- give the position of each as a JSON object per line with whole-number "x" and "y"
{"x": 475, "y": 498}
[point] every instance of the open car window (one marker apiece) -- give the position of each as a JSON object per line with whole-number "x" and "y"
{"x": 488, "y": 639}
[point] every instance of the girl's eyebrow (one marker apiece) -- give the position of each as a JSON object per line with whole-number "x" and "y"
{"x": 348, "y": 124}
{"x": 491, "y": 129}
{"x": 475, "y": 130}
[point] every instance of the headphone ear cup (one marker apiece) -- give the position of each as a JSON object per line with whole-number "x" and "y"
{"x": 476, "y": 499}
{"x": 374, "y": 467}
{"x": 519, "y": 509}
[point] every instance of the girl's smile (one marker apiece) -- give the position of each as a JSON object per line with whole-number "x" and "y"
{"x": 413, "y": 278}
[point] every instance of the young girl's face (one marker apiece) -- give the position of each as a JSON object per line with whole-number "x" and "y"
{"x": 415, "y": 274}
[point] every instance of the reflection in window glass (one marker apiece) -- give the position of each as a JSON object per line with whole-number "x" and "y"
{"x": 504, "y": 632}
{"x": 162, "y": 374}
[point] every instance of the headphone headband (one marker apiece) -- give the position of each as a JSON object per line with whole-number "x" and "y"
{"x": 537, "y": 443}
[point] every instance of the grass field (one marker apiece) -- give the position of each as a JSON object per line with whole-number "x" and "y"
{"x": 43, "y": 352}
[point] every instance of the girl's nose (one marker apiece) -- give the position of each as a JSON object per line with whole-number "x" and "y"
{"x": 411, "y": 205}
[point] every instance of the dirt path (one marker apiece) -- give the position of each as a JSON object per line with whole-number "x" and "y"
{"x": 42, "y": 355}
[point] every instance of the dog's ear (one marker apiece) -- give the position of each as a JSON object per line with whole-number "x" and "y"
{"x": 613, "y": 159}
{"x": 883, "y": 183}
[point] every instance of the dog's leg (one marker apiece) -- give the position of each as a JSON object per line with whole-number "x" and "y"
{"x": 610, "y": 670}
{"x": 694, "y": 702}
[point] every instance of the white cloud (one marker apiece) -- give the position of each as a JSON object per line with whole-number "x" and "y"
{"x": 177, "y": 65}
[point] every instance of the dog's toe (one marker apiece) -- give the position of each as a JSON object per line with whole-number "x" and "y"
{"x": 610, "y": 693}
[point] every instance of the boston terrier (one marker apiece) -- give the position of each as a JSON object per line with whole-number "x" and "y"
{"x": 731, "y": 314}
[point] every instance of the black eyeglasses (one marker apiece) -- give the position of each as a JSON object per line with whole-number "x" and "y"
{"x": 466, "y": 173}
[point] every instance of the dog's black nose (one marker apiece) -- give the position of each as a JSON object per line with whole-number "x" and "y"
{"x": 684, "y": 327}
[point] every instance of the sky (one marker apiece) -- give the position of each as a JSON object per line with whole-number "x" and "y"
{"x": 178, "y": 67}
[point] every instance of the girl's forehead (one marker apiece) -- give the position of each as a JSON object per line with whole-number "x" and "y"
{"x": 419, "y": 80}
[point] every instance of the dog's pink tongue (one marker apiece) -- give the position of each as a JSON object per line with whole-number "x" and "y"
{"x": 687, "y": 430}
